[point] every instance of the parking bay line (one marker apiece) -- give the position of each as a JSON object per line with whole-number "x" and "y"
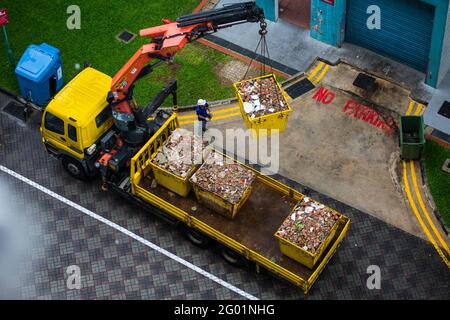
{"x": 411, "y": 107}
{"x": 316, "y": 70}
{"x": 192, "y": 116}
{"x": 128, "y": 233}
{"x": 417, "y": 191}
{"x": 418, "y": 110}
{"x": 231, "y": 115}
{"x": 322, "y": 74}
{"x": 419, "y": 218}
{"x": 424, "y": 210}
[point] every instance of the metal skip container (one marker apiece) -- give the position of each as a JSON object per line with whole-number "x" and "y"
{"x": 307, "y": 232}
{"x": 222, "y": 184}
{"x": 176, "y": 161}
{"x": 263, "y": 105}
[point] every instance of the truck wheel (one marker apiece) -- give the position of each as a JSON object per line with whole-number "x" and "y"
{"x": 233, "y": 258}
{"x": 74, "y": 168}
{"x": 197, "y": 238}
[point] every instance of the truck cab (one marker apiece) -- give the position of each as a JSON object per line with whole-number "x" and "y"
{"x": 76, "y": 119}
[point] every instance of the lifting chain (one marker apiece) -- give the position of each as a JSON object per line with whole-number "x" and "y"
{"x": 262, "y": 49}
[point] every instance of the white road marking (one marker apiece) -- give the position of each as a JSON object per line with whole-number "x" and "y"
{"x": 128, "y": 233}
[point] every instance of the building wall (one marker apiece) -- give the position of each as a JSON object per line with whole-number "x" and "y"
{"x": 270, "y": 8}
{"x": 440, "y": 24}
{"x": 445, "y": 57}
{"x": 328, "y": 21}
{"x": 328, "y": 25}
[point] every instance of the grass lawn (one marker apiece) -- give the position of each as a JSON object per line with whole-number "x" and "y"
{"x": 37, "y": 21}
{"x": 438, "y": 180}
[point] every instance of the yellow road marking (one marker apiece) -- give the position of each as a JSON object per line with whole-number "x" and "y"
{"x": 419, "y": 218}
{"x": 214, "y": 113}
{"x": 418, "y": 110}
{"x": 316, "y": 70}
{"x": 322, "y": 74}
{"x": 231, "y": 115}
{"x": 424, "y": 210}
{"x": 411, "y": 107}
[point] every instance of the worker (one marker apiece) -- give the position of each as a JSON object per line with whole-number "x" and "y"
{"x": 203, "y": 113}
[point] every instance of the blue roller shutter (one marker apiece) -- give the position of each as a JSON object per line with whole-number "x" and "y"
{"x": 406, "y": 30}
{"x": 270, "y": 8}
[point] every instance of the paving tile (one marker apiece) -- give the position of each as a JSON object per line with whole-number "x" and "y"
{"x": 114, "y": 266}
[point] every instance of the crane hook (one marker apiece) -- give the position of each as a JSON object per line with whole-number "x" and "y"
{"x": 263, "y": 28}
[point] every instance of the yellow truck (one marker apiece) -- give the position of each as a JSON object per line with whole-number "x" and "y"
{"x": 77, "y": 127}
{"x": 75, "y": 120}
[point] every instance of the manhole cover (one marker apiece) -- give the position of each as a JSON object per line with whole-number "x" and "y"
{"x": 16, "y": 110}
{"x": 126, "y": 36}
{"x": 445, "y": 110}
{"x": 365, "y": 82}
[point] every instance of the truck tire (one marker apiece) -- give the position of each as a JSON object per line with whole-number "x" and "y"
{"x": 74, "y": 168}
{"x": 196, "y": 238}
{"x": 233, "y": 258}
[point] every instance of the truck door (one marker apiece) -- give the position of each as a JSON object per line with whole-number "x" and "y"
{"x": 54, "y": 133}
{"x": 73, "y": 141}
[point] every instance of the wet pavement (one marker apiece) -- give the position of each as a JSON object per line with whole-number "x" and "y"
{"x": 301, "y": 49}
{"x": 46, "y": 236}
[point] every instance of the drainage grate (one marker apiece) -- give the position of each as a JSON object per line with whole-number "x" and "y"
{"x": 126, "y": 36}
{"x": 300, "y": 88}
{"x": 445, "y": 110}
{"x": 16, "y": 110}
{"x": 365, "y": 82}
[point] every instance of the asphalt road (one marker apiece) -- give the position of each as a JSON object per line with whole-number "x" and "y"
{"x": 41, "y": 236}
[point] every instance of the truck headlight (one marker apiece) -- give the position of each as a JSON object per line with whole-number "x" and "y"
{"x": 91, "y": 149}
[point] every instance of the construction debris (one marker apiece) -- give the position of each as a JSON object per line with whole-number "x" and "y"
{"x": 223, "y": 177}
{"x": 261, "y": 97}
{"x": 180, "y": 154}
{"x": 309, "y": 225}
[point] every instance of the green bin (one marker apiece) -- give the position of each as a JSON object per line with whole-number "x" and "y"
{"x": 412, "y": 138}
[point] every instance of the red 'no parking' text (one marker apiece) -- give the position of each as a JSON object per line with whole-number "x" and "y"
{"x": 354, "y": 109}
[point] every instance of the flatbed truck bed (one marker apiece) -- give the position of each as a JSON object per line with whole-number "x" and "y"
{"x": 250, "y": 234}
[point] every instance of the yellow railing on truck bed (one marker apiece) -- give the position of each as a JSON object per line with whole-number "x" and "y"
{"x": 140, "y": 168}
{"x": 140, "y": 163}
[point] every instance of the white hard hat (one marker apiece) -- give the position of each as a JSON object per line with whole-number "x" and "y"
{"x": 201, "y": 102}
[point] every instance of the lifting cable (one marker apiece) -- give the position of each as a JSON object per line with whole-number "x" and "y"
{"x": 262, "y": 49}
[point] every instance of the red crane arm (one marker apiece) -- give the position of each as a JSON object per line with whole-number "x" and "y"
{"x": 174, "y": 40}
{"x": 170, "y": 38}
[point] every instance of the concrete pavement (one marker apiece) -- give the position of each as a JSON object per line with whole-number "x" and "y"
{"x": 114, "y": 266}
{"x": 327, "y": 148}
{"x": 293, "y": 47}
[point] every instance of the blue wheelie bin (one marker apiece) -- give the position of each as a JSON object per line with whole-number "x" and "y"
{"x": 39, "y": 73}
